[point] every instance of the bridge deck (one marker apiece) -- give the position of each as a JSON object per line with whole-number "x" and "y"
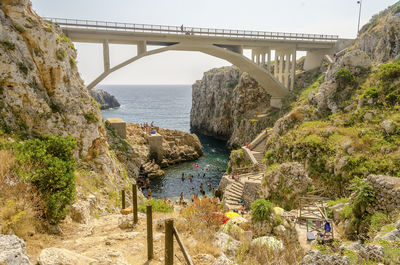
{"x": 180, "y": 31}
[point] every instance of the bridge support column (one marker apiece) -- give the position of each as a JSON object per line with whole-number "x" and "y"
{"x": 276, "y": 102}
{"x": 281, "y": 59}
{"x": 141, "y": 47}
{"x": 276, "y": 64}
{"x": 106, "y": 56}
{"x": 269, "y": 60}
{"x": 293, "y": 72}
{"x": 313, "y": 59}
{"x": 287, "y": 64}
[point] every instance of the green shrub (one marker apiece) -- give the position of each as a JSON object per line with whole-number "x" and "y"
{"x": 344, "y": 77}
{"x": 372, "y": 92}
{"x": 231, "y": 84}
{"x": 378, "y": 220}
{"x": 51, "y": 167}
{"x": 36, "y": 51}
{"x": 237, "y": 156}
{"x": 61, "y": 54}
{"x": 338, "y": 201}
{"x": 390, "y": 71}
{"x": 67, "y": 40}
{"x": 346, "y": 212}
{"x": 261, "y": 210}
{"x": 364, "y": 196}
{"x": 22, "y": 67}
{"x": 9, "y": 45}
{"x": 19, "y": 28}
{"x": 157, "y": 206}
{"x": 91, "y": 118}
{"x": 72, "y": 62}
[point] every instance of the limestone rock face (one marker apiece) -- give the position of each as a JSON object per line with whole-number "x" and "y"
{"x": 41, "y": 92}
{"x": 13, "y": 251}
{"x": 331, "y": 95}
{"x": 226, "y": 243}
{"x": 60, "y": 256}
{"x": 105, "y": 99}
{"x": 229, "y": 105}
{"x": 176, "y": 146}
{"x": 380, "y": 37}
{"x": 287, "y": 181}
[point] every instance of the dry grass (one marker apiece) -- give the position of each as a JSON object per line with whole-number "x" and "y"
{"x": 19, "y": 204}
{"x": 202, "y": 220}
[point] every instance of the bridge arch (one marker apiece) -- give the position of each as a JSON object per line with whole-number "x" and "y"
{"x": 271, "y": 84}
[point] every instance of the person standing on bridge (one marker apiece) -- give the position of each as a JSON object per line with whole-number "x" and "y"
{"x": 182, "y": 28}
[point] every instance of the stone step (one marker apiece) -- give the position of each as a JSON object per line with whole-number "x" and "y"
{"x": 231, "y": 202}
{"x": 236, "y": 189}
{"x": 230, "y": 194}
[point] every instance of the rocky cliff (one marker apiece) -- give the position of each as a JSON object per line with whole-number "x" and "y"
{"x": 41, "y": 93}
{"x": 105, "y": 99}
{"x": 380, "y": 38}
{"x": 230, "y": 105}
{"x": 176, "y": 147}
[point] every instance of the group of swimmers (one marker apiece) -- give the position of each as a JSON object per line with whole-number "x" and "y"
{"x": 149, "y": 129}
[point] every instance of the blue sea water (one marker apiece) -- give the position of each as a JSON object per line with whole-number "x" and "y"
{"x": 168, "y": 106}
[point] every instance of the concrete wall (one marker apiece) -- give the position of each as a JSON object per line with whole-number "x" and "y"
{"x": 156, "y": 149}
{"x": 119, "y": 126}
{"x": 250, "y": 193}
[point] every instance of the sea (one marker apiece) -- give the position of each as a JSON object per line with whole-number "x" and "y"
{"x": 168, "y": 106}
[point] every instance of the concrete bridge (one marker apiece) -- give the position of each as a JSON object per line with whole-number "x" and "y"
{"x": 222, "y": 43}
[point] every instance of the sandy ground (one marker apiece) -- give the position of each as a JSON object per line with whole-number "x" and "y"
{"x": 102, "y": 239}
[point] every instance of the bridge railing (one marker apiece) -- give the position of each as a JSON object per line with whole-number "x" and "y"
{"x": 181, "y": 30}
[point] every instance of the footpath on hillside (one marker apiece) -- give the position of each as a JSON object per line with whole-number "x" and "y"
{"x": 102, "y": 239}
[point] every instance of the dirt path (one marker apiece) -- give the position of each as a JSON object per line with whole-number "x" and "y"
{"x": 103, "y": 240}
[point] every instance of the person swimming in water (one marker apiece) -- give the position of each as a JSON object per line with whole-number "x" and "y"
{"x": 183, "y": 176}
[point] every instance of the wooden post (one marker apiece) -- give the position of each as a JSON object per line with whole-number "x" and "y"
{"x": 184, "y": 250}
{"x": 134, "y": 205}
{"x": 123, "y": 199}
{"x": 169, "y": 242}
{"x": 149, "y": 232}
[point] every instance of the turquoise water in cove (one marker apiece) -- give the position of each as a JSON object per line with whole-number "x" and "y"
{"x": 168, "y": 106}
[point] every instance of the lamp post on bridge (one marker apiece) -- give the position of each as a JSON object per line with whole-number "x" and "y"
{"x": 359, "y": 15}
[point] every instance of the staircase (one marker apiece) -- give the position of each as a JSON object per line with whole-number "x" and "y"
{"x": 233, "y": 193}
{"x": 258, "y": 153}
{"x": 234, "y": 190}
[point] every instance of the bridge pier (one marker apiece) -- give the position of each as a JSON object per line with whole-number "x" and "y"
{"x": 285, "y": 67}
{"x": 141, "y": 47}
{"x": 313, "y": 59}
{"x": 106, "y": 56}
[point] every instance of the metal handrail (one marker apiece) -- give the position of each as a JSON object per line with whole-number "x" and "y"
{"x": 79, "y": 23}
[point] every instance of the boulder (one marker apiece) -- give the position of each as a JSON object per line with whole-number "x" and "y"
{"x": 61, "y": 256}
{"x": 269, "y": 242}
{"x": 314, "y": 257}
{"x": 80, "y": 212}
{"x": 222, "y": 260}
{"x": 13, "y": 251}
{"x": 389, "y": 126}
{"x": 279, "y": 230}
{"x": 226, "y": 243}
{"x": 204, "y": 259}
{"x": 125, "y": 222}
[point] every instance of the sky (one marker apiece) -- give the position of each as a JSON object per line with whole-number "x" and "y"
{"x": 338, "y": 17}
